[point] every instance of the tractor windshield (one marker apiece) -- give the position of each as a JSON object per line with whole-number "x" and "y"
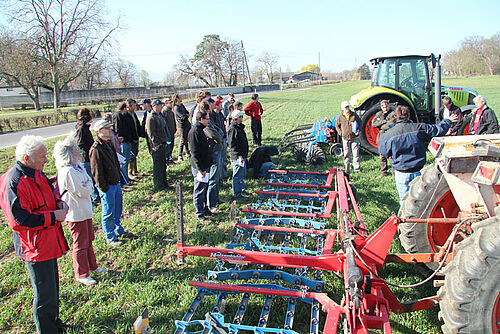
{"x": 412, "y": 80}
{"x": 384, "y": 74}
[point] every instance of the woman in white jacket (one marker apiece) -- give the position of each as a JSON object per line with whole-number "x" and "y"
{"x": 75, "y": 187}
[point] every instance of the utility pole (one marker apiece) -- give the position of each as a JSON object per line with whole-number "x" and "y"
{"x": 246, "y": 62}
{"x": 319, "y": 66}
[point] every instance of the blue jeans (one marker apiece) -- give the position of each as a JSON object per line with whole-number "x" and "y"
{"x": 199, "y": 195}
{"x": 265, "y": 167}
{"x": 127, "y": 153}
{"x": 111, "y": 201}
{"x": 238, "y": 180}
{"x": 403, "y": 180}
{"x": 214, "y": 179}
{"x": 95, "y": 193}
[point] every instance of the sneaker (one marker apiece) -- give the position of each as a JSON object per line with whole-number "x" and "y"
{"x": 214, "y": 211}
{"x": 87, "y": 281}
{"x": 128, "y": 235}
{"x": 115, "y": 243}
{"x": 100, "y": 270}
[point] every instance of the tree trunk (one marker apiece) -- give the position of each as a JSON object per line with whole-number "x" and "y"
{"x": 56, "y": 97}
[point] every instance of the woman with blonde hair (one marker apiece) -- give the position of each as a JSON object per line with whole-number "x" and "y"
{"x": 75, "y": 187}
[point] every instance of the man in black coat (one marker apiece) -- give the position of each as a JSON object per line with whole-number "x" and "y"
{"x": 200, "y": 163}
{"x": 448, "y": 109}
{"x": 483, "y": 120}
{"x": 238, "y": 152}
{"x": 261, "y": 162}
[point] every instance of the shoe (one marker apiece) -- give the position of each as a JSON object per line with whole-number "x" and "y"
{"x": 214, "y": 211}
{"x": 100, "y": 270}
{"x": 63, "y": 328}
{"x": 87, "y": 281}
{"x": 203, "y": 220}
{"x": 115, "y": 243}
{"x": 357, "y": 171}
{"x": 208, "y": 212}
{"x": 128, "y": 235}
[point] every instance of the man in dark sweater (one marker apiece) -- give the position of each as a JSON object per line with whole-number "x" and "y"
{"x": 126, "y": 130}
{"x": 405, "y": 143}
{"x": 200, "y": 163}
{"x": 238, "y": 152}
{"x": 156, "y": 131}
{"x": 261, "y": 162}
{"x": 106, "y": 173}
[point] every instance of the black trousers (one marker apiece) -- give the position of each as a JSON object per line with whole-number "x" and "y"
{"x": 183, "y": 140}
{"x": 44, "y": 278}
{"x": 257, "y": 131}
{"x": 159, "y": 155}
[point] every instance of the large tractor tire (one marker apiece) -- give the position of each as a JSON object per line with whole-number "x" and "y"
{"x": 317, "y": 156}
{"x": 470, "y": 296}
{"x": 368, "y": 133}
{"x": 429, "y": 197}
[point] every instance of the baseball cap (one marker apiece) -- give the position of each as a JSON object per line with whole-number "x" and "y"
{"x": 157, "y": 102}
{"x": 102, "y": 123}
{"x": 145, "y": 101}
{"x": 218, "y": 102}
{"x": 345, "y": 104}
{"x": 237, "y": 113}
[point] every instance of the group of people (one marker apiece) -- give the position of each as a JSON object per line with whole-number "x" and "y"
{"x": 92, "y": 171}
{"x": 403, "y": 141}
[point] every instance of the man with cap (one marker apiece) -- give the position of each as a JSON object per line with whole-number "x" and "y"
{"x": 156, "y": 131}
{"x": 106, "y": 173}
{"x": 168, "y": 114}
{"x": 348, "y": 124}
{"x": 238, "y": 152}
{"x": 200, "y": 163}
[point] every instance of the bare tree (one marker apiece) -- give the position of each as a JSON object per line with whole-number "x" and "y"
{"x": 216, "y": 62}
{"x": 125, "y": 71}
{"x": 143, "y": 77}
{"x": 69, "y": 33}
{"x": 21, "y": 64}
{"x": 267, "y": 62}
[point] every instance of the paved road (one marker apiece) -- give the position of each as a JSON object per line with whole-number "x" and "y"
{"x": 11, "y": 138}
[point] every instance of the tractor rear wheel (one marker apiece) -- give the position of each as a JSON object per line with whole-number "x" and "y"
{"x": 429, "y": 197}
{"x": 470, "y": 296}
{"x": 368, "y": 133}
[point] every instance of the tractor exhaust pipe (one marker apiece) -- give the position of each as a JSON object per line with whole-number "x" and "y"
{"x": 437, "y": 84}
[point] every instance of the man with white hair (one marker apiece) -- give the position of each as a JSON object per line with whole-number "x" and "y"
{"x": 106, "y": 173}
{"x": 347, "y": 126}
{"x": 482, "y": 120}
{"x": 35, "y": 214}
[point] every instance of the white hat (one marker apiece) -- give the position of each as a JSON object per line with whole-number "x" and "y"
{"x": 237, "y": 113}
{"x": 345, "y": 104}
{"x": 102, "y": 123}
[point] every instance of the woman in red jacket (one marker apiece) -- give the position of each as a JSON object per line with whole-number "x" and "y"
{"x": 254, "y": 110}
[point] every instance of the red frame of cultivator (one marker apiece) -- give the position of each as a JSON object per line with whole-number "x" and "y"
{"x": 368, "y": 300}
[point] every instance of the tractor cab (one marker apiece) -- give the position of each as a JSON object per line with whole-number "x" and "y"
{"x": 409, "y": 75}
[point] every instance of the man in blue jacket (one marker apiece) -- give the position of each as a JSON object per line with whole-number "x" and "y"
{"x": 405, "y": 143}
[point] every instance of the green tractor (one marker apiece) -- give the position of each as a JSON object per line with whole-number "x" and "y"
{"x": 405, "y": 80}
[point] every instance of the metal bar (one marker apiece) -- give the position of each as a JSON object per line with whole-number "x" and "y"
{"x": 192, "y": 308}
{"x": 282, "y": 229}
{"x": 416, "y": 258}
{"x": 266, "y": 309}
{"x": 179, "y": 217}
{"x": 431, "y": 220}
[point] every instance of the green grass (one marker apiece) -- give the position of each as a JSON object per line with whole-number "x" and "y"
{"x": 144, "y": 271}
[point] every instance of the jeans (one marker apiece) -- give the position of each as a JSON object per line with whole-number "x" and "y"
{"x": 159, "y": 167}
{"x": 111, "y": 201}
{"x": 214, "y": 179}
{"x": 256, "y": 131}
{"x": 265, "y": 167}
{"x": 95, "y": 194}
{"x": 238, "y": 180}
{"x": 84, "y": 260}
{"x": 199, "y": 195}
{"x": 127, "y": 153}
{"x": 403, "y": 180}
{"x": 351, "y": 149}
{"x": 170, "y": 148}
{"x": 44, "y": 278}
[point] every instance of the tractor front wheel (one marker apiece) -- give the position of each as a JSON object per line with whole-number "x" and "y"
{"x": 470, "y": 296}
{"x": 429, "y": 197}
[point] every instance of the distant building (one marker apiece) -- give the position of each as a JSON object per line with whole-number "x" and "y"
{"x": 305, "y": 76}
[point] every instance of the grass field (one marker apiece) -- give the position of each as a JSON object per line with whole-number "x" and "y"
{"x": 143, "y": 271}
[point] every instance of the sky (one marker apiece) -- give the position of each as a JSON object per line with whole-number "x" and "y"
{"x": 338, "y": 35}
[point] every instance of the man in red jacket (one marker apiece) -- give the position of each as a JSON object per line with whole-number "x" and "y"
{"x": 35, "y": 214}
{"x": 254, "y": 110}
